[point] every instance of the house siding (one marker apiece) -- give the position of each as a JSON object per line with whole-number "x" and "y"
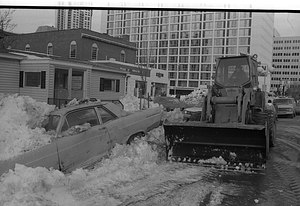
{"x": 51, "y": 81}
{"x": 36, "y": 92}
{"x": 9, "y": 76}
{"x": 105, "y": 95}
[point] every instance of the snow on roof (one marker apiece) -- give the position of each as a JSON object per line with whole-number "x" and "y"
{"x": 29, "y": 56}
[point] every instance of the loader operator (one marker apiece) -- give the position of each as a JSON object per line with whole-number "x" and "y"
{"x": 239, "y": 76}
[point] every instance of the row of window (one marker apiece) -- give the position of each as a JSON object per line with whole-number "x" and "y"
{"x": 188, "y": 75}
{"x": 193, "y": 35}
{"x": 286, "y": 41}
{"x": 286, "y": 48}
{"x": 174, "y": 27}
{"x": 165, "y": 25}
{"x": 190, "y": 34}
{"x": 194, "y": 42}
{"x": 73, "y": 51}
{"x": 285, "y": 60}
{"x": 38, "y": 79}
{"x": 287, "y": 66}
{"x": 286, "y": 54}
{"x": 279, "y": 79}
{"x": 119, "y": 15}
{"x": 181, "y": 83}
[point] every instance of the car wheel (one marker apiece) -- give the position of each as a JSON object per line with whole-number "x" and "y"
{"x": 135, "y": 137}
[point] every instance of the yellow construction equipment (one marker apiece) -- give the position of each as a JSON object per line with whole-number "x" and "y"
{"x": 237, "y": 123}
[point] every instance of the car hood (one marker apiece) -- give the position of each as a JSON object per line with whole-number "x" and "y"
{"x": 193, "y": 109}
{"x": 284, "y": 106}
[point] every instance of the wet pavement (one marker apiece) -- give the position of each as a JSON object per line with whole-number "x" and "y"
{"x": 279, "y": 184}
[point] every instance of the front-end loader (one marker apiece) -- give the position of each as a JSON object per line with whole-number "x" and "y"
{"x": 236, "y": 123}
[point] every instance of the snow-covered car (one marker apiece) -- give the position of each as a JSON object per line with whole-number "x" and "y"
{"x": 193, "y": 113}
{"x": 286, "y": 106}
{"x": 85, "y": 133}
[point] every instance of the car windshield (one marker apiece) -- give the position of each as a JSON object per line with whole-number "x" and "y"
{"x": 51, "y": 122}
{"x": 232, "y": 71}
{"x": 283, "y": 101}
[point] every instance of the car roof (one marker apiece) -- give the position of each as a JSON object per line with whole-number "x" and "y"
{"x": 65, "y": 110}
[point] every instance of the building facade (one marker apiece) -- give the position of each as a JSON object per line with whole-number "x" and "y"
{"x": 141, "y": 81}
{"x": 57, "y": 80}
{"x": 81, "y": 44}
{"x": 73, "y": 19}
{"x": 286, "y": 55}
{"x": 186, "y": 43}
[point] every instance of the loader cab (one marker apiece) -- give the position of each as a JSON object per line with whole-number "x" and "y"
{"x": 233, "y": 71}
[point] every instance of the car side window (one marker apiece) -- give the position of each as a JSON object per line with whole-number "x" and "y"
{"x": 105, "y": 115}
{"x": 81, "y": 117}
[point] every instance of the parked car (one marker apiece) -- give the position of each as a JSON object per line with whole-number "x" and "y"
{"x": 193, "y": 113}
{"x": 86, "y": 133}
{"x": 286, "y": 106}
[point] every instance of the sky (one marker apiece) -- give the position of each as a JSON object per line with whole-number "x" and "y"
{"x": 287, "y": 22}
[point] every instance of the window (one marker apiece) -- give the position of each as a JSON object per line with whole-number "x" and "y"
{"x": 184, "y": 42}
{"x": 32, "y": 79}
{"x": 105, "y": 115}
{"x": 207, "y": 42}
{"x": 112, "y": 85}
{"x": 193, "y": 84}
{"x": 50, "y": 49}
{"x": 27, "y": 47}
{"x": 73, "y": 48}
{"x": 80, "y": 117}
{"x": 173, "y": 51}
{"x": 163, "y": 51}
{"x": 122, "y": 56}
{"x": 182, "y": 75}
{"x": 195, "y": 50}
{"x": 184, "y": 51}
{"x": 195, "y": 59}
{"x": 94, "y": 54}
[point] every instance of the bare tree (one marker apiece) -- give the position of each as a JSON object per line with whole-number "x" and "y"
{"x": 5, "y": 20}
{"x": 6, "y": 26}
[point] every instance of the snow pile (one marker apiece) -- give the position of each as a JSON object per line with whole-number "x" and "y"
{"x": 21, "y": 118}
{"x": 194, "y": 97}
{"x": 132, "y": 103}
{"x": 26, "y": 186}
{"x": 174, "y": 116}
{"x": 39, "y": 186}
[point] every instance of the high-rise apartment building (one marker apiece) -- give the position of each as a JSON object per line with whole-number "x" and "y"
{"x": 186, "y": 43}
{"x": 73, "y": 19}
{"x": 286, "y": 55}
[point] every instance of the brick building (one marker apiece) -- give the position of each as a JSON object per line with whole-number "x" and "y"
{"x": 81, "y": 44}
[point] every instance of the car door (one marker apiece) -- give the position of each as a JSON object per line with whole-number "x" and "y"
{"x": 113, "y": 125}
{"x": 84, "y": 146}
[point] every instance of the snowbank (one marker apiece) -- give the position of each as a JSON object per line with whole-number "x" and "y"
{"x": 39, "y": 186}
{"x": 132, "y": 103}
{"x": 194, "y": 97}
{"x": 21, "y": 118}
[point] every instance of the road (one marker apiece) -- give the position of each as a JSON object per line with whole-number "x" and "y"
{"x": 278, "y": 185}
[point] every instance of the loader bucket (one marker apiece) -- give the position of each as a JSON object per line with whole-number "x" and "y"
{"x": 235, "y": 143}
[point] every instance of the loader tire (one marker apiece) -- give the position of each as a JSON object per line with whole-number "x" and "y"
{"x": 273, "y": 135}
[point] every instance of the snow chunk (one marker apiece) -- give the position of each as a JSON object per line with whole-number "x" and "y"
{"x": 132, "y": 103}
{"x": 21, "y": 118}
